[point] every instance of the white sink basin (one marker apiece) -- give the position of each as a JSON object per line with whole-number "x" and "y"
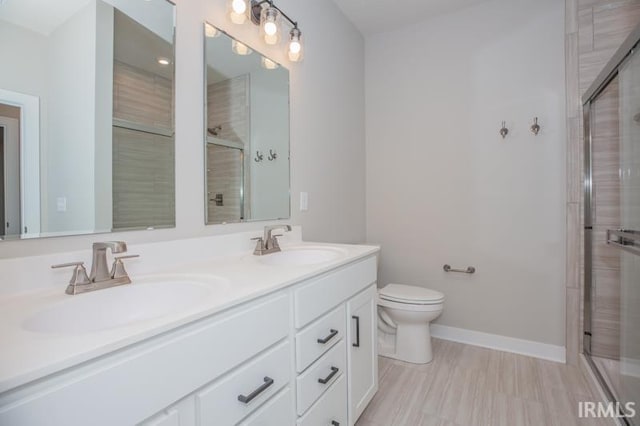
{"x": 145, "y": 299}
{"x": 299, "y": 256}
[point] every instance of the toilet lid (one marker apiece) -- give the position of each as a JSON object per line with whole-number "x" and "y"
{"x": 410, "y": 293}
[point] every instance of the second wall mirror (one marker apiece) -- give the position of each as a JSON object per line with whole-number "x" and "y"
{"x": 247, "y": 132}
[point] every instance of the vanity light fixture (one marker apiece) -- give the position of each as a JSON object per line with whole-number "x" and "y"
{"x": 163, "y": 61}
{"x": 268, "y": 63}
{"x": 240, "y": 49}
{"x": 269, "y": 18}
{"x": 295, "y": 45}
{"x": 269, "y": 25}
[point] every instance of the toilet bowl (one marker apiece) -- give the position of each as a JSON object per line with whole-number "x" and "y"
{"x": 404, "y": 316}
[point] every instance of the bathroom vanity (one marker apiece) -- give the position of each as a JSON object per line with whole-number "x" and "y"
{"x": 285, "y": 338}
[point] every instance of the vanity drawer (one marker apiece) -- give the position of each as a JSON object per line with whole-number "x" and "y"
{"x": 309, "y": 386}
{"x": 330, "y": 408}
{"x": 322, "y": 294}
{"x": 319, "y": 337}
{"x": 255, "y": 382}
{"x": 278, "y": 411}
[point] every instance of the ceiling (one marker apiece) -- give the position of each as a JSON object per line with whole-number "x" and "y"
{"x": 136, "y": 45}
{"x": 41, "y": 16}
{"x": 376, "y": 16}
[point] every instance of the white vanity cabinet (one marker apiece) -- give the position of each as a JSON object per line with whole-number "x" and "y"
{"x": 301, "y": 355}
{"x": 362, "y": 352}
{"x": 336, "y": 350}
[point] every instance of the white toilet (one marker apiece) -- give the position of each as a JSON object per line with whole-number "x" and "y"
{"x": 404, "y": 315}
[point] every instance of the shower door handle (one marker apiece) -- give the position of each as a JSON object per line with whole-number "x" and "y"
{"x": 624, "y": 239}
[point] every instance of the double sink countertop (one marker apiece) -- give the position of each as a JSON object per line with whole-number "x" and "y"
{"x": 34, "y": 347}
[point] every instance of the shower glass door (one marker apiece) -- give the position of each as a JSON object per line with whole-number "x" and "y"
{"x": 629, "y": 110}
{"x": 612, "y": 227}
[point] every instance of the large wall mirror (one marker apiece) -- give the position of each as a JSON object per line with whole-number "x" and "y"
{"x": 86, "y": 116}
{"x": 247, "y": 132}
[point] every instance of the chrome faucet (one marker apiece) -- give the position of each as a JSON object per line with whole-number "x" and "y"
{"x": 269, "y": 243}
{"x": 99, "y": 268}
{"x": 100, "y": 276}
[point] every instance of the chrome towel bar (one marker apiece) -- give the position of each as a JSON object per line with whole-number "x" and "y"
{"x": 625, "y": 239}
{"x": 469, "y": 270}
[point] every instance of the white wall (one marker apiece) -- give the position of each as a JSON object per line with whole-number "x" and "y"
{"x": 104, "y": 117}
{"x": 444, "y": 187}
{"x": 70, "y": 155}
{"x": 327, "y": 129}
{"x": 269, "y": 97}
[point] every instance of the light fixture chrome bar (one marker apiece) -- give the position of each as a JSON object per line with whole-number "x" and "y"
{"x": 256, "y": 8}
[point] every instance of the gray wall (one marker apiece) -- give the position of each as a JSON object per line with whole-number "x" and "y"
{"x": 444, "y": 187}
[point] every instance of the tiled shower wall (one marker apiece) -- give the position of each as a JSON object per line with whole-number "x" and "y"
{"x": 594, "y": 31}
{"x": 143, "y": 162}
{"x": 228, "y": 107}
{"x": 605, "y": 157}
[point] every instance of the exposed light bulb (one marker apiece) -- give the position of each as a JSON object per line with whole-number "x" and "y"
{"x": 239, "y": 6}
{"x": 295, "y": 47}
{"x": 238, "y": 12}
{"x": 270, "y": 28}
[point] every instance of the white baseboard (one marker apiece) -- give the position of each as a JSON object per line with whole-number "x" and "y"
{"x": 501, "y": 343}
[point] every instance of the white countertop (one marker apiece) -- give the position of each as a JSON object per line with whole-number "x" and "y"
{"x": 27, "y": 356}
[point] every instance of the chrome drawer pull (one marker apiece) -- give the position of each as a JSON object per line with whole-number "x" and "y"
{"x": 329, "y": 337}
{"x": 334, "y": 371}
{"x": 268, "y": 381}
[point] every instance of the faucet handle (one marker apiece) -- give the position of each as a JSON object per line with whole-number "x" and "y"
{"x": 67, "y": 265}
{"x": 117, "y": 269}
{"x": 128, "y": 256}
{"x": 78, "y": 278}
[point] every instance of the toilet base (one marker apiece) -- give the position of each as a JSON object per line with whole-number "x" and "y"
{"x": 410, "y": 343}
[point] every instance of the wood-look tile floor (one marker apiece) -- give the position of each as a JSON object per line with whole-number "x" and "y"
{"x": 467, "y": 385}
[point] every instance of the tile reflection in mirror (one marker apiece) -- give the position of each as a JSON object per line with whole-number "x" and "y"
{"x": 247, "y": 111}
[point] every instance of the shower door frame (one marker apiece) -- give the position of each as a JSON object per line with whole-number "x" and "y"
{"x": 630, "y": 46}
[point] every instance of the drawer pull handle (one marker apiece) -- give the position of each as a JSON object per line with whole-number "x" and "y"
{"x": 334, "y": 423}
{"x": 357, "y": 343}
{"x": 329, "y": 337}
{"x": 334, "y": 371}
{"x": 268, "y": 381}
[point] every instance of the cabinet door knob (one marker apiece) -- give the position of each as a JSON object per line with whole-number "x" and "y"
{"x": 331, "y": 335}
{"x": 357, "y": 343}
{"x": 268, "y": 381}
{"x": 334, "y": 371}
